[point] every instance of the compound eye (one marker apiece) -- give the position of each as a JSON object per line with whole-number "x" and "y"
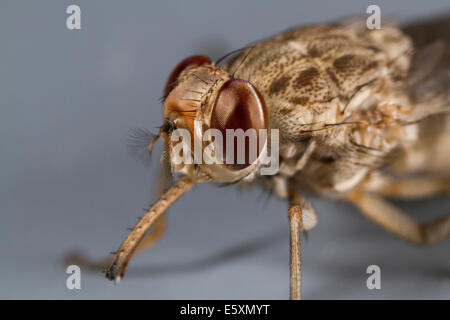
{"x": 239, "y": 105}
{"x": 190, "y": 62}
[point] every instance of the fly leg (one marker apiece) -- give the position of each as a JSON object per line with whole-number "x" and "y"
{"x": 155, "y": 234}
{"x": 301, "y": 217}
{"x": 159, "y": 227}
{"x": 295, "y": 221}
{"x": 86, "y": 263}
{"x": 116, "y": 269}
{"x": 392, "y": 219}
{"x": 407, "y": 188}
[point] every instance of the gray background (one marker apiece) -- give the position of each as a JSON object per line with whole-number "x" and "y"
{"x": 68, "y": 99}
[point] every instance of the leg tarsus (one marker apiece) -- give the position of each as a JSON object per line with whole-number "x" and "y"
{"x": 86, "y": 263}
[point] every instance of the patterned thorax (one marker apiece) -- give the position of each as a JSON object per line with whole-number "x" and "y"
{"x": 335, "y": 93}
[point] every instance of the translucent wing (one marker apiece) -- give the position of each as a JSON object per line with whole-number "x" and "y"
{"x": 428, "y": 82}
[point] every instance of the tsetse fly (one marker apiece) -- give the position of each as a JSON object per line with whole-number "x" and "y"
{"x": 362, "y": 115}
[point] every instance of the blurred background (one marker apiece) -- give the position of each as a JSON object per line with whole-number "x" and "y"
{"x": 68, "y": 99}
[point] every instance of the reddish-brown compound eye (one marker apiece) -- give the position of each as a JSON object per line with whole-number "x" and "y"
{"x": 190, "y": 62}
{"x": 239, "y": 105}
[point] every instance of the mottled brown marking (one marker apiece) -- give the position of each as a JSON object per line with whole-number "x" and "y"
{"x": 327, "y": 159}
{"x": 285, "y": 111}
{"x": 299, "y": 100}
{"x": 370, "y": 66}
{"x": 303, "y": 138}
{"x": 372, "y": 48}
{"x": 333, "y": 77}
{"x": 314, "y": 52}
{"x": 344, "y": 62}
{"x": 279, "y": 85}
{"x": 306, "y": 77}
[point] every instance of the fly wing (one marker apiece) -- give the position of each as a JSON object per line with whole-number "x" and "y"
{"x": 428, "y": 81}
{"x": 428, "y": 87}
{"x": 426, "y": 32}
